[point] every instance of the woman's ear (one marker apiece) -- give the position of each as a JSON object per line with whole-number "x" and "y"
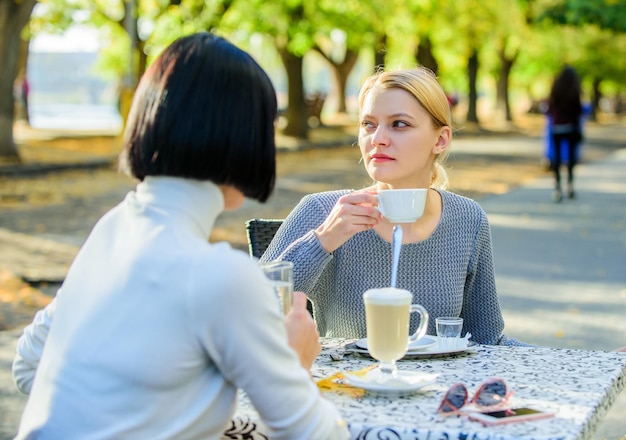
{"x": 443, "y": 140}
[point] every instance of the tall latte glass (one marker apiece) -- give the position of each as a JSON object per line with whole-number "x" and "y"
{"x": 387, "y": 312}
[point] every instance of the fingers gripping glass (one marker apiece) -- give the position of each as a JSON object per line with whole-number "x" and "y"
{"x": 492, "y": 394}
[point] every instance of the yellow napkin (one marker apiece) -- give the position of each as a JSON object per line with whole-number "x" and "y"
{"x": 335, "y": 383}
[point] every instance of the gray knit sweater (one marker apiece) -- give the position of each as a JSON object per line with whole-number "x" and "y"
{"x": 450, "y": 273}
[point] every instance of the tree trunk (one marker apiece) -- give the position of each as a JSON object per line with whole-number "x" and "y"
{"x": 619, "y": 102}
{"x": 472, "y": 75}
{"x": 297, "y": 112}
{"x": 14, "y": 15}
{"x": 341, "y": 71}
{"x": 425, "y": 56}
{"x": 595, "y": 99}
{"x": 503, "y": 102}
{"x": 380, "y": 51}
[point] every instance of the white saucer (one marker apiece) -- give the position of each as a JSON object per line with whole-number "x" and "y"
{"x": 420, "y": 344}
{"x": 405, "y": 383}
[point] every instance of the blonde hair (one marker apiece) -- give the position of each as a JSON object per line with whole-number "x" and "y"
{"x": 422, "y": 84}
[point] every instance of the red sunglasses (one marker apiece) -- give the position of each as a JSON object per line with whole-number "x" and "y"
{"x": 492, "y": 394}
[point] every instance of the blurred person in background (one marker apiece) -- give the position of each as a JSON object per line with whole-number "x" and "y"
{"x": 21, "y": 92}
{"x": 564, "y": 115}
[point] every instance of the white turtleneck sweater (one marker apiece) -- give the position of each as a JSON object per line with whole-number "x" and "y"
{"x": 154, "y": 330}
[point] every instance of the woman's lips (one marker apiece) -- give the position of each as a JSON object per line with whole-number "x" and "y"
{"x": 381, "y": 158}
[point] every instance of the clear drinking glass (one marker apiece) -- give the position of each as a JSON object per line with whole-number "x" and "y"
{"x": 280, "y": 274}
{"x": 448, "y": 332}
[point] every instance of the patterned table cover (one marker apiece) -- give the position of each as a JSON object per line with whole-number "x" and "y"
{"x": 578, "y": 385}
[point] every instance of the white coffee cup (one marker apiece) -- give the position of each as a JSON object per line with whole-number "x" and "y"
{"x": 402, "y": 205}
{"x": 387, "y": 312}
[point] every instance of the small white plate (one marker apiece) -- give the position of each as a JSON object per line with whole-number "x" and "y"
{"x": 406, "y": 382}
{"x": 420, "y": 344}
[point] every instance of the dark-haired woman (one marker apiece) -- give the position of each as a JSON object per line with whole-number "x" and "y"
{"x": 155, "y": 329}
{"x": 564, "y": 112}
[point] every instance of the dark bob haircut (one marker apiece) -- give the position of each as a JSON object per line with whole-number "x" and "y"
{"x": 204, "y": 110}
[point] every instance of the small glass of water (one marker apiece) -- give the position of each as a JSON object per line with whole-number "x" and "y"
{"x": 280, "y": 273}
{"x": 448, "y": 332}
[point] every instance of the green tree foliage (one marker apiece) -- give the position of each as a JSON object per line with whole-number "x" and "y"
{"x": 510, "y": 31}
{"x": 590, "y": 36}
{"x": 290, "y": 25}
{"x": 341, "y": 33}
{"x": 479, "y": 48}
{"x": 156, "y": 24}
{"x": 605, "y": 14}
{"x": 474, "y": 20}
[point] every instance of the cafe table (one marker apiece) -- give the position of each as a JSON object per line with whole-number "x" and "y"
{"x": 578, "y": 386}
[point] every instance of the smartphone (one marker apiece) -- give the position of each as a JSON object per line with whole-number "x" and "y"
{"x": 512, "y": 415}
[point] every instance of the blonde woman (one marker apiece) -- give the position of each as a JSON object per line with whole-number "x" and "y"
{"x": 340, "y": 243}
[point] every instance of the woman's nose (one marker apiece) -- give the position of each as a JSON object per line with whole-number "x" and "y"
{"x": 380, "y": 137}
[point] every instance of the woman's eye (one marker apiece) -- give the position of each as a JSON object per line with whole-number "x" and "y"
{"x": 399, "y": 124}
{"x": 367, "y": 124}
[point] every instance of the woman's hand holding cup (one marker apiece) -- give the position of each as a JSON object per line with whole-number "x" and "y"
{"x": 353, "y": 213}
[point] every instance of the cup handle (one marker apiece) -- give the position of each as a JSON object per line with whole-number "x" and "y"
{"x": 423, "y": 327}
